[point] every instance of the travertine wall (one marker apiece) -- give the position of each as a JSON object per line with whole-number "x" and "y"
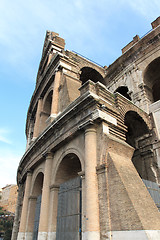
{"x": 94, "y": 122}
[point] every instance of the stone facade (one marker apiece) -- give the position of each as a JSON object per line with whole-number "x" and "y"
{"x": 9, "y": 197}
{"x": 103, "y": 125}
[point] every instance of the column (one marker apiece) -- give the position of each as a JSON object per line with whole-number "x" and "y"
{"x": 37, "y": 121}
{"x": 44, "y": 213}
{"x": 92, "y": 205}
{"x": 22, "y": 228}
{"x": 53, "y": 212}
{"x": 30, "y": 218}
{"x": 55, "y": 97}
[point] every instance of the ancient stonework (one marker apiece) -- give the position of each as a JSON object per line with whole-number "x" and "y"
{"x": 91, "y": 170}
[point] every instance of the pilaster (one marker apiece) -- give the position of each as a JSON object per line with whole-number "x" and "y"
{"x": 54, "y": 189}
{"x": 44, "y": 213}
{"x": 37, "y": 121}
{"x": 92, "y": 231}
{"x": 23, "y": 221}
{"x": 55, "y": 97}
{"x": 30, "y": 217}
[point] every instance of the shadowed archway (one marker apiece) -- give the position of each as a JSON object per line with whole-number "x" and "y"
{"x": 152, "y": 80}
{"x": 90, "y": 73}
{"x": 138, "y": 136}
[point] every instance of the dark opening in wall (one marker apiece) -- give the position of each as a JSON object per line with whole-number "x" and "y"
{"x": 90, "y": 73}
{"x": 138, "y": 137}
{"x": 152, "y": 81}
{"x": 123, "y": 90}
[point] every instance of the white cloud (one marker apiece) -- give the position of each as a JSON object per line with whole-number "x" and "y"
{"x": 9, "y": 161}
{"x": 4, "y": 136}
{"x": 23, "y": 23}
{"x": 149, "y": 9}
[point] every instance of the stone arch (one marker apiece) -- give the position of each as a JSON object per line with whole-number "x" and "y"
{"x": 47, "y": 102}
{"x": 34, "y": 205}
{"x": 151, "y": 79}
{"x": 46, "y": 109}
{"x": 136, "y": 127}
{"x": 123, "y": 90}
{"x": 37, "y": 184}
{"x": 124, "y": 106}
{"x": 66, "y": 172}
{"x": 71, "y": 150}
{"x": 36, "y": 172}
{"x": 92, "y": 74}
{"x": 138, "y": 136}
{"x": 68, "y": 168}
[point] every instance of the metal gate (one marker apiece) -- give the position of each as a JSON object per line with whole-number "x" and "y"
{"x": 36, "y": 219}
{"x": 69, "y": 210}
{"x": 154, "y": 191}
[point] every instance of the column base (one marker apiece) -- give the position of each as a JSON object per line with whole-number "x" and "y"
{"x": 21, "y": 236}
{"x": 42, "y": 235}
{"x": 132, "y": 235}
{"x": 28, "y": 236}
{"x": 51, "y": 236}
{"x": 91, "y": 235}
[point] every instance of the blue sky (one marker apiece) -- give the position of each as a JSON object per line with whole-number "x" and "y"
{"x": 97, "y": 29}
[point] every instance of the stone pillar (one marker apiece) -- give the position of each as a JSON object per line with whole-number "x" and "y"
{"x": 37, "y": 121}
{"x": 22, "y": 228}
{"x": 44, "y": 213}
{"x": 30, "y": 217}
{"x": 53, "y": 212}
{"x": 55, "y": 97}
{"x": 92, "y": 205}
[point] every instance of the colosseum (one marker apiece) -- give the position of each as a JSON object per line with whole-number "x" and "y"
{"x": 91, "y": 169}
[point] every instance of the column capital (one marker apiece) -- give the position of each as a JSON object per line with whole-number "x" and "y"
{"x": 90, "y": 128}
{"x": 81, "y": 174}
{"x": 47, "y": 154}
{"x": 85, "y": 125}
{"x": 54, "y": 187}
{"x": 32, "y": 198}
{"x": 40, "y": 98}
{"x": 29, "y": 172}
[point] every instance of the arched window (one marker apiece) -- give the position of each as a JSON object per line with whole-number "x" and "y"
{"x": 138, "y": 137}
{"x": 123, "y": 90}
{"x": 90, "y": 73}
{"x": 152, "y": 81}
{"x": 48, "y": 103}
{"x": 69, "y": 213}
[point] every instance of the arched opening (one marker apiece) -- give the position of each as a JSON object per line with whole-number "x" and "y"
{"x": 143, "y": 159}
{"x": 123, "y": 90}
{"x": 152, "y": 81}
{"x": 90, "y": 73}
{"x": 47, "y": 104}
{"x": 69, "y": 199}
{"x": 35, "y": 206}
{"x": 46, "y": 112}
{"x": 38, "y": 184}
{"x": 138, "y": 137}
{"x": 68, "y": 168}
